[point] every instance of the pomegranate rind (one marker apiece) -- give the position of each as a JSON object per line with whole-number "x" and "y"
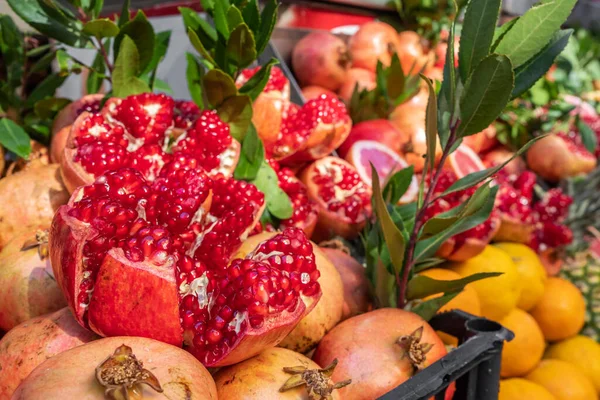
{"x": 513, "y": 230}
{"x": 378, "y": 130}
{"x": 374, "y": 41}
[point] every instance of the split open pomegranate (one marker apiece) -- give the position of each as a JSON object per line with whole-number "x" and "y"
{"x": 145, "y": 132}
{"x": 152, "y": 259}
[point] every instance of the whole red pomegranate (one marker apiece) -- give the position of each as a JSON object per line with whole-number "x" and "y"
{"x": 560, "y": 156}
{"x": 321, "y": 58}
{"x": 500, "y": 155}
{"x": 328, "y": 311}
{"x": 277, "y": 374}
{"x": 412, "y": 54}
{"x": 378, "y": 351}
{"x": 482, "y": 141}
{"x": 30, "y": 198}
{"x": 358, "y": 297}
{"x": 357, "y": 78}
{"x": 28, "y": 345}
{"x": 152, "y": 259}
{"x": 145, "y": 132}
{"x": 379, "y": 130}
{"x": 312, "y": 131}
{"x": 65, "y": 118}
{"x": 120, "y": 368}
{"x": 467, "y": 244}
{"x": 29, "y": 287}
{"x": 313, "y": 91}
{"x": 374, "y": 41}
{"x": 343, "y": 199}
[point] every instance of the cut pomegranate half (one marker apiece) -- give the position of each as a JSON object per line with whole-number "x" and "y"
{"x": 152, "y": 259}
{"x": 278, "y": 86}
{"x": 464, "y": 161}
{"x": 387, "y": 162}
{"x": 343, "y": 199}
{"x": 142, "y": 132}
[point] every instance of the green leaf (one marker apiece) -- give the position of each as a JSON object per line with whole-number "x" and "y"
{"x": 52, "y": 24}
{"x": 124, "y": 16}
{"x": 395, "y": 78}
{"x": 96, "y": 75}
{"x": 588, "y": 136}
{"x": 397, "y": 185}
{"x": 485, "y": 95}
{"x": 220, "y": 18}
{"x": 234, "y": 17}
{"x": 46, "y": 88}
{"x": 252, "y": 156}
{"x": 428, "y": 247}
{"x": 193, "y": 74}
{"x": 96, "y": 7}
{"x": 251, "y": 16}
{"x": 427, "y": 309}
{"x": 431, "y": 128}
{"x": 218, "y": 87}
{"x": 447, "y": 95}
{"x": 421, "y": 286}
{"x": 141, "y": 32}
{"x": 477, "y": 177}
{"x": 277, "y": 202}
{"x": 101, "y": 28}
{"x": 208, "y": 6}
{"x": 530, "y": 72}
{"x": 237, "y": 112}
{"x": 36, "y": 51}
{"x": 255, "y": 85}
{"x": 203, "y": 30}
{"x": 124, "y": 78}
{"x": 47, "y": 108}
{"x": 241, "y": 46}
{"x": 394, "y": 238}
{"x": 501, "y": 31}
{"x": 197, "y": 43}
{"x": 162, "y": 86}
{"x": 267, "y": 23}
{"x": 14, "y": 138}
{"x": 477, "y": 34}
{"x": 161, "y": 45}
{"x": 428, "y": 263}
{"x": 534, "y": 29}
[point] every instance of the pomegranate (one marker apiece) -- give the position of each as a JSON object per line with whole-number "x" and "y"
{"x": 29, "y": 287}
{"x": 434, "y": 73}
{"x": 33, "y": 342}
{"x": 374, "y": 41}
{"x": 30, "y": 198}
{"x": 482, "y": 141}
{"x": 277, "y": 374}
{"x": 357, "y": 78}
{"x": 464, "y": 161}
{"x": 344, "y": 200}
{"x": 378, "y": 130}
{"x": 441, "y": 50}
{"x": 358, "y": 296}
{"x": 326, "y": 314}
{"x": 467, "y": 244}
{"x": 140, "y": 131}
{"x": 560, "y": 156}
{"x": 321, "y": 58}
{"x": 65, "y": 118}
{"x": 412, "y": 54}
{"x": 119, "y": 368}
{"x": 39, "y": 155}
{"x": 278, "y": 86}
{"x": 540, "y": 224}
{"x": 500, "y": 155}
{"x": 312, "y": 92}
{"x": 312, "y": 131}
{"x": 153, "y": 259}
{"x": 378, "y": 351}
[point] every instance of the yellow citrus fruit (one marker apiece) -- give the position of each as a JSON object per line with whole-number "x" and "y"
{"x": 525, "y": 351}
{"x": 467, "y": 300}
{"x": 581, "y": 351}
{"x": 521, "y": 389}
{"x": 531, "y": 270}
{"x": 497, "y": 295}
{"x": 564, "y": 380}
{"x": 561, "y": 310}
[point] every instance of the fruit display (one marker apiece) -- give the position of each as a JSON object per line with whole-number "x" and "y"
{"x": 232, "y": 243}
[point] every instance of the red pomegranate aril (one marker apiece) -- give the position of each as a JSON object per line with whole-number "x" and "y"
{"x": 146, "y": 116}
{"x": 186, "y": 113}
{"x": 277, "y": 79}
{"x": 99, "y": 157}
{"x": 95, "y": 128}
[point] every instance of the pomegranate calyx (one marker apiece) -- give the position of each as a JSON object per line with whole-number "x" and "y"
{"x": 414, "y": 350}
{"x": 40, "y": 241}
{"x": 317, "y": 381}
{"x": 122, "y": 374}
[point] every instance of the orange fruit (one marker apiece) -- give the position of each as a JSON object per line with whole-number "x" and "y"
{"x": 525, "y": 351}
{"x": 581, "y": 351}
{"x": 531, "y": 270}
{"x": 560, "y": 312}
{"x": 520, "y": 389}
{"x": 565, "y": 381}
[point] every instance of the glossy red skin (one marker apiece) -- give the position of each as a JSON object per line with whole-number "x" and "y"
{"x": 499, "y": 155}
{"x": 482, "y": 141}
{"x": 365, "y": 80}
{"x": 379, "y": 130}
{"x": 33, "y": 342}
{"x": 374, "y": 41}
